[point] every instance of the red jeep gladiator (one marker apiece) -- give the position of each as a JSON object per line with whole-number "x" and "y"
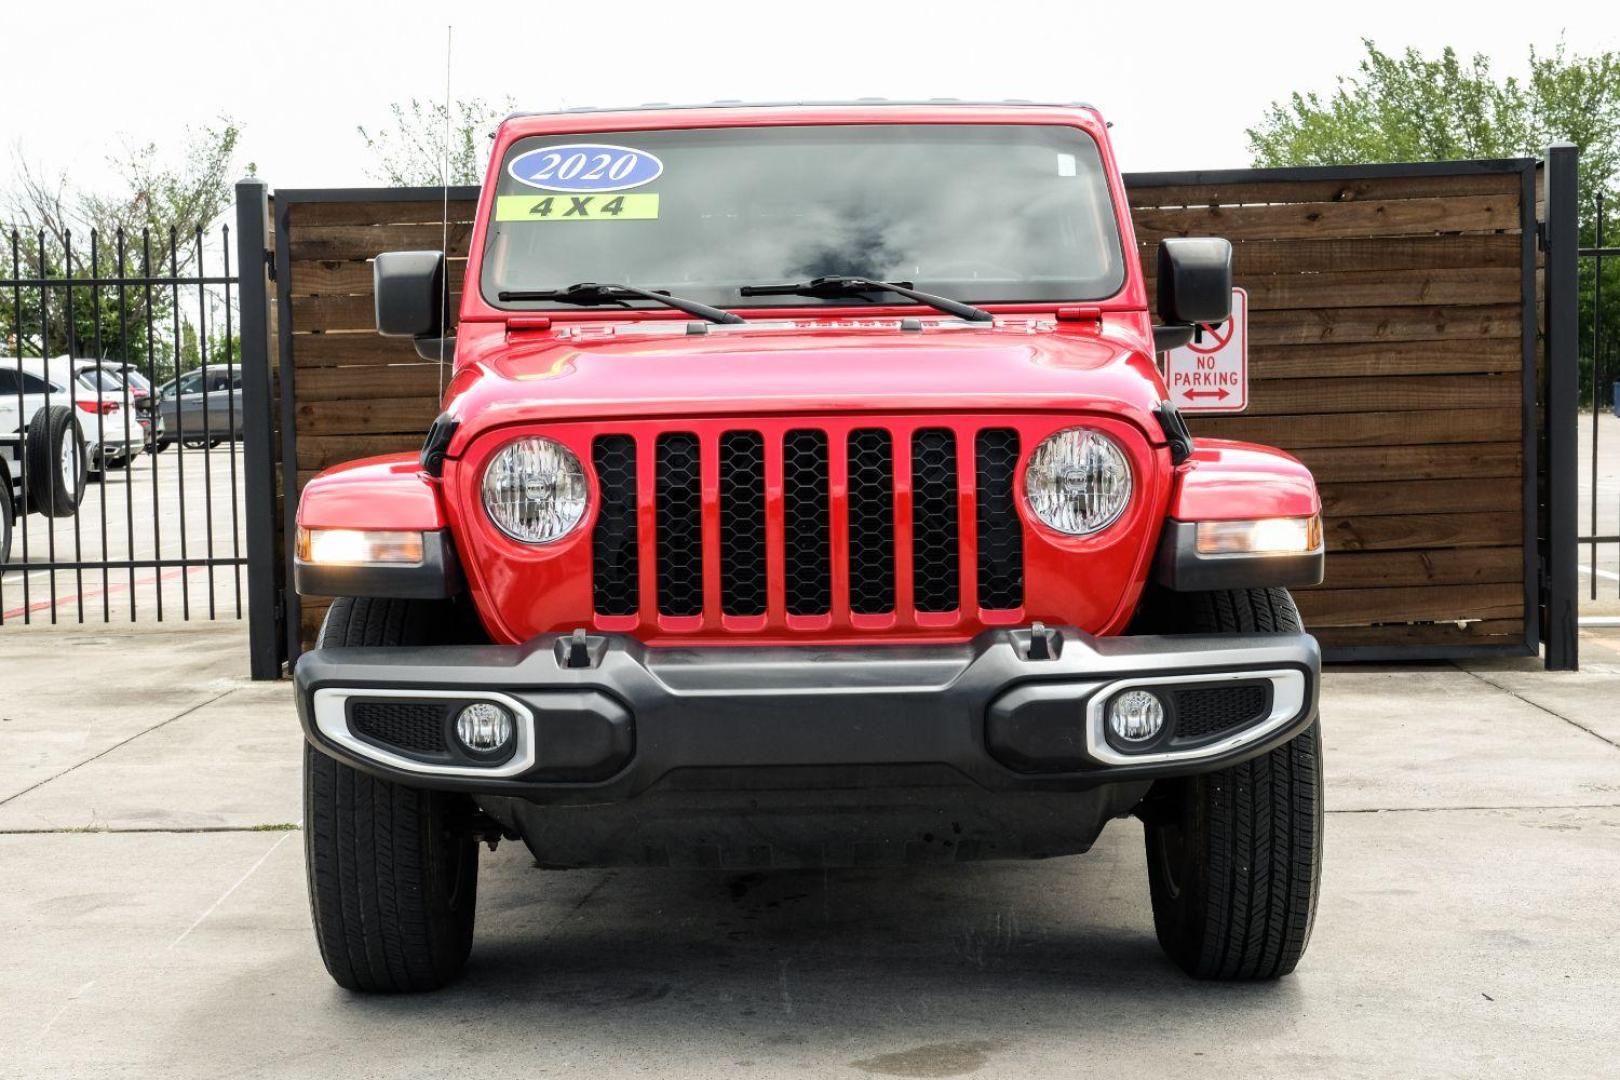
{"x": 806, "y": 494}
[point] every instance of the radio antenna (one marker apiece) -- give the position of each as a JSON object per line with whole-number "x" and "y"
{"x": 444, "y": 231}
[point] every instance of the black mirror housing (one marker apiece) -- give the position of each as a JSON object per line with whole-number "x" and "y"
{"x": 410, "y": 293}
{"x": 1195, "y": 280}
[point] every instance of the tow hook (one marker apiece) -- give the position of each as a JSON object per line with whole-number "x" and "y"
{"x": 1040, "y": 643}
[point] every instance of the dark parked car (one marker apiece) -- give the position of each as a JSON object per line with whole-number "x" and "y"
{"x": 200, "y": 408}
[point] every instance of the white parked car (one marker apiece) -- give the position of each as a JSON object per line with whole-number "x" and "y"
{"x": 61, "y": 420}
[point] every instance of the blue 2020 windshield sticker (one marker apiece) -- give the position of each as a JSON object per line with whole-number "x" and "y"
{"x": 585, "y": 167}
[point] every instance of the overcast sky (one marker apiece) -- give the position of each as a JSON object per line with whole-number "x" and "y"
{"x": 1180, "y": 82}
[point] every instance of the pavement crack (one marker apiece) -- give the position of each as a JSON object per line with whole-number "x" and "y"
{"x": 1534, "y": 808}
{"x": 1537, "y": 705}
{"x": 121, "y": 743}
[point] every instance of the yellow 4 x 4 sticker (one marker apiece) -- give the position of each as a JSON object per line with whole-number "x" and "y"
{"x": 642, "y": 206}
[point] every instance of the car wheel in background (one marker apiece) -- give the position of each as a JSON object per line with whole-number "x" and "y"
{"x": 56, "y": 462}
{"x": 160, "y": 445}
{"x": 1235, "y": 856}
{"x": 5, "y": 520}
{"x": 393, "y": 880}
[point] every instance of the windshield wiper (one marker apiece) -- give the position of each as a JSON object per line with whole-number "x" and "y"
{"x": 591, "y": 292}
{"x": 833, "y": 287}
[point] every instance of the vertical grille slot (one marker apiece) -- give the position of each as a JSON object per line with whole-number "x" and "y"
{"x": 679, "y": 505}
{"x": 742, "y": 523}
{"x": 1000, "y": 534}
{"x": 871, "y": 521}
{"x": 615, "y": 559}
{"x": 934, "y": 548}
{"x": 806, "y": 524}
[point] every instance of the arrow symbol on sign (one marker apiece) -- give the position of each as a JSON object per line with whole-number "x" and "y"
{"x": 1193, "y": 395}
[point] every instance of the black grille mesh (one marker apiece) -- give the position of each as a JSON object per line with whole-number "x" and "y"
{"x": 615, "y": 559}
{"x": 1208, "y": 710}
{"x": 679, "y": 494}
{"x": 871, "y": 521}
{"x": 1001, "y": 536}
{"x": 934, "y": 547}
{"x": 742, "y": 523}
{"x": 416, "y": 726}
{"x": 807, "y": 523}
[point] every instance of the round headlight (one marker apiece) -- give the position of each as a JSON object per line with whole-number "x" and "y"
{"x": 534, "y": 490}
{"x": 1078, "y": 481}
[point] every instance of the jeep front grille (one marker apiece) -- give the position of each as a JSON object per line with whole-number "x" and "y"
{"x": 883, "y": 526}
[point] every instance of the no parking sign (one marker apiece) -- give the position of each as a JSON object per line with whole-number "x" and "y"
{"x": 1211, "y": 373}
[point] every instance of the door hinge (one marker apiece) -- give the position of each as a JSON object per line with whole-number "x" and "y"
{"x": 270, "y": 264}
{"x": 1542, "y": 243}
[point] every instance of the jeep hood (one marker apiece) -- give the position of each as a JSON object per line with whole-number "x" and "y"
{"x": 505, "y": 379}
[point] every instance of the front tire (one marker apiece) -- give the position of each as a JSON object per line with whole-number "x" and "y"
{"x": 393, "y": 883}
{"x": 1235, "y": 856}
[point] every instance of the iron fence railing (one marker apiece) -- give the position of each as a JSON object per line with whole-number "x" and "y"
{"x": 120, "y": 416}
{"x": 1600, "y": 531}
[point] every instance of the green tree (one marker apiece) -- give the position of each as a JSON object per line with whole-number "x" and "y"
{"x": 411, "y": 150}
{"x": 159, "y": 219}
{"x": 1413, "y": 108}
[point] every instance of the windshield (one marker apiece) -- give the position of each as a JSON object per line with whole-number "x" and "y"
{"x": 975, "y": 212}
{"x": 99, "y": 379}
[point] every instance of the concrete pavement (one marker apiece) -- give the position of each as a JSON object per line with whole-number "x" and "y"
{"x": 155, "y": 922}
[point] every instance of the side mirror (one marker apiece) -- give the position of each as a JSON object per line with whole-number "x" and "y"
{"x": 410, "y": 296}
{"x": 1195, "y": 280}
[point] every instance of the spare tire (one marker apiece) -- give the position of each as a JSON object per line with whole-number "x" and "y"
{"x": 54, "y": 452}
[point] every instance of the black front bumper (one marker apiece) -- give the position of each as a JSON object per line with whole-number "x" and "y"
{"x": 999, "y": 714}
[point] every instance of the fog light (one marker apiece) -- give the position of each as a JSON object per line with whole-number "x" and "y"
{"x": 1136, "y": 715}
{"x": 484, "y": 727}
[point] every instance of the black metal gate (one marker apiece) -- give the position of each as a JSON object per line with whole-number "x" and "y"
{"x": 1600, "y": 392}
{"x": 121, "y": 416}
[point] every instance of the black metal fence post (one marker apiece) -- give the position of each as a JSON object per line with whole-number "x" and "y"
{"x": 1563, "y": 409}
{"x": 266, "y": 614}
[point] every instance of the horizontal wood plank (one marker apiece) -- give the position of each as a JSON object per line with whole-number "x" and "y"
{"x": 1320, "y": 191}
{"x": 323, "y": 451}
{"x": 1422, "y": 462}
{"x": 1383, "y": 217}
{"x": 1436, "y": 634}
{"x": 320, "y": 277}
{"x": 378, "y": 212}
{"x": 357, "y": 383}
{"x": 311, "y": 313}
{"x": 1406, "y": 427}
{"x": 1379, "y": 498}
{"x": 357, "y": 243}
{"x": 1358, "y": 607}
{"x": 1367, "y": 359}
{"x": 1378, "y": 288}
{"x": 1417, "y": 323}
{"x": 1348, "y": 254}
{"x": 1438, "y": 566}
{"x": 334, "y": 349}
{"x": 369, "y": 416}
{"x": 1494, "y": 529}
{"x": 1303, "y": 397}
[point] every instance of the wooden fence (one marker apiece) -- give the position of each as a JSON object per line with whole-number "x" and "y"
{"x": 1392, "y": 310}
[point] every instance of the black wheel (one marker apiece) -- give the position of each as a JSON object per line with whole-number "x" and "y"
{"x": 392, "y": 884}
{"x": 1235, "y": 857}
{"x": 160, "y": 445}
{"x": 6, "y": 519}
{"x": 54, "y": 449}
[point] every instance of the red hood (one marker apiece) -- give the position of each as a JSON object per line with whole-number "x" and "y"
{"x": 584, "y": 373}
